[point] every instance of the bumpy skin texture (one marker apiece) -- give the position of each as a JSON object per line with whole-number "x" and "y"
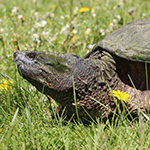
{"x": 54, "y": 76}
{"x": 105, "y": 67}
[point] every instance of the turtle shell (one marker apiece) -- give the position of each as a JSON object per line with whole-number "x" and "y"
{"x": 131, "y": 41}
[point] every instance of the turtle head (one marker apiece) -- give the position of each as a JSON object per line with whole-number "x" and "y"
{"x": 47, "y": 72}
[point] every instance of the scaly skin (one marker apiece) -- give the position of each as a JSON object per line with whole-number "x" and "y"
{"x": 54, "y": 74}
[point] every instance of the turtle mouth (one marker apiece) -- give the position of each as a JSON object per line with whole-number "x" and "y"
{"x": 25, "y": 63}
{"x": 25, "y": 58}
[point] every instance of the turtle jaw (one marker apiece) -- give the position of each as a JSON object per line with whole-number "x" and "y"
{"x": 26, "y": 65}
{"x": 33, "y": 67}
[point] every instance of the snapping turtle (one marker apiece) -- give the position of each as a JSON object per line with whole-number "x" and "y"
{"x": 121, "y": 61}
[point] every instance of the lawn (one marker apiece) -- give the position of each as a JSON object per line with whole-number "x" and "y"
{"x": 71, "y": 27}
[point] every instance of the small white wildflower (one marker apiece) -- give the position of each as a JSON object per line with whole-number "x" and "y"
{"x": 65, "y": 29}
{"x": 52, "y": 15}
{"x": 6, "y": 34}
{"x": 115, "y": 21}
{"x": 45, "y": 33}
{"x": 45, "y": 100}
{"x": 29, "y": 32}
{"x": 2, "y": 30}
{"x": 76, "y": 11}
{"x": 9, "y": 56}
{"x": 35, "y": 36}
{"x": 62, "y": 17}
{"x": 11, "y": 28}
{"x": 118, "y": 17}
{"x": 4, "y": 10}
{"x": 25, "y": 48}
{"x": 108, "y": 30}
{"x": 111, "y": 24}
{"x": 144, "y": 14}
{"x": 74, "y": 31}
{"x": 94, "y": 15}
{"x": 19, "y": 17}
{"x": 41, "y": 24}
{"x": 38, "y": 41}
{"x": 88, "y": 31}
{"x": 34, "y": 1}
{"x": 84, "y": 22}
{"x": 36, "y": 14}
{"x": 31, "y": 88}
{"x": 102, "y": 32}
{"x": 15, "y": 10}
{"x": 132, "y": 9}
{"x": 90, "y": 46}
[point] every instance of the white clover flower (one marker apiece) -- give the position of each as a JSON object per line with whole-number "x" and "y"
{"x": 88, "y": 31}
{"x": 118, "y": 17}
{"x": 111, "y": 24}
{"x": 62, "y": 17}
{"x": 45, "y": 33}
{"x": 144, "y": 14}
{"x": 65, "y": 29}
{"x": 74, "y": 31}
{"x": 6, "y": 34}
{"x": 84, "y": 22}
{"x": 38, "y": 41}
{"x": 41, "y": 24}
{"x": 94, "y": 15}
{"x": 36, "y": 14}
{"x": 115, "y": 21}
{"x": 34, "y": 1}
{"x": 90, "y": 47}
{"x": 31, "y": 89}
{"x": 15, "y": 10}
{"x": 25, "y": 48}
{"x": 19, "y": 17}
{"x": 132, "y": 9}
{"x": 108, "y": 30}
{"x": 2, "y": 30}
{"x": 35, "y": 36}
{"x": 102, "y": 32}
{"x": 52, "y": 15}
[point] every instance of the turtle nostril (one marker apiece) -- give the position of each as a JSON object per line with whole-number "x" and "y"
{"x": 15, "y": 54}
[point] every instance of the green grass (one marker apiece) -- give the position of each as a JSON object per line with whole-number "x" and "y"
{"x": 25, "y": 114}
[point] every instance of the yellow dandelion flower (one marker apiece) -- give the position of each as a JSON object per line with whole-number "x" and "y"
{"x": 1, "y": 131}
{"x": 84, "y": 9}
{"x": 53, "y": 6}
{"x": 74, "y": 39}
{"x": 121, "y": 95}
{"x": 5, "y": 84}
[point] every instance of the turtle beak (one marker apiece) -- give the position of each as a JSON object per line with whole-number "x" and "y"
{"x": 24, "y": 57}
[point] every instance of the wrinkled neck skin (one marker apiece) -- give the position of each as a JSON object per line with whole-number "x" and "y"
{"x": 125, "y": 75}
{"x": 134, "y": 78}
